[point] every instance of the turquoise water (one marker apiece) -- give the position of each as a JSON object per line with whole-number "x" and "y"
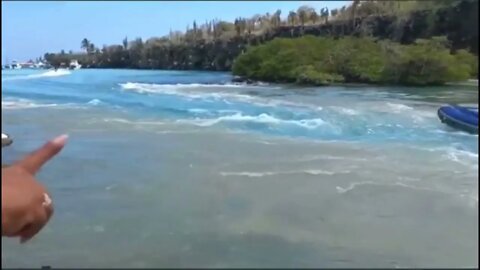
{"x": 178, "y": 169}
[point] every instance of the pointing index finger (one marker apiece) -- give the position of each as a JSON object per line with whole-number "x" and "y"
{"x": 35, "y": 160}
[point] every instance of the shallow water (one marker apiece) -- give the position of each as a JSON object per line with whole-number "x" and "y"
{"x": 183, "y": 169}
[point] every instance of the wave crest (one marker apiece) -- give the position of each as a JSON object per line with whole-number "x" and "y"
{"x": 25, "y": 104}
{"x": 48, "y": 74}
{"x": 51, "y": 73}
{"x": 262, "y": 119}
{"x": 269, "y": 173}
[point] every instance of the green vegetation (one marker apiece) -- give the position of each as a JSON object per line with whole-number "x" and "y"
{"x": 401, "y": 25}
{"x": 323, "y": 61}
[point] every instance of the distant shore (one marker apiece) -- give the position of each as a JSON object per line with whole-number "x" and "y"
{"x": 470, "y": 82}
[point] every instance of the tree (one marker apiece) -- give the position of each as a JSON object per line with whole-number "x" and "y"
{"x": 466, "y": 58}
{"x": 195, "y": 32}
{"x": 314, "y": 17}
{"x": 250, "y": 24}
{"x": 276, "y": 20}
{"x": 125, "y": 43}
{"x": 354, "y": 12}
{"x": 302, "y": 16}
{"x": 292, "y": 18}
{"x": 324, "y": 14}
{"x": 240, "y": 26}
{"x": 85, "y": 44}
{"x": 91, "y": 48}
{"x": 334, "y": 12}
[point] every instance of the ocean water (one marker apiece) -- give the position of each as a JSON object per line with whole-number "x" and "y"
{"x": 186, "y": 169}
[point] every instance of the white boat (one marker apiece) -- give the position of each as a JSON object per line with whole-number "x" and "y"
{"x": 74, "y": 65}
{"x": 15, "y": 65}
{"x": 39, "y": 65}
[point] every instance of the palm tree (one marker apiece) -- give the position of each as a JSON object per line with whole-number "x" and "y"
{"x": 334, "y": 12}
{"x": 314, "y": 17}
{"x": 354, "y": 11}
{"x": 85, "y": 44}
{"x": 302, "y": 15}
{"x": 91, "y": 48}
{"x": 292, "y": 18}
{"x": 243, "y": 25}
{"x": 276, "y": 18}
{"x": 250, "y": 26}
{"x": 324, "y": 14}
{"x": 125, "y": 43}
{"x": 238, "y": 26}
{"x": 195, "y": 31}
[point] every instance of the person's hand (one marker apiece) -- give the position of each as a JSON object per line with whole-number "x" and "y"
{"x": 26, "y": 205}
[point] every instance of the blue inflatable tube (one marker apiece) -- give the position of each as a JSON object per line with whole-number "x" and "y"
{"x": 459, "y": 117}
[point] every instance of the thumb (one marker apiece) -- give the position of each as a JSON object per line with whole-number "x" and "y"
{"x": 35, "y": 160}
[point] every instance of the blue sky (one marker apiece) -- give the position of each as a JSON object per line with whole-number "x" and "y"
{"x": 29, "y": 29}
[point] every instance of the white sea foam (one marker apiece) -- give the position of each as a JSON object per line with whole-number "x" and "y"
{"x": 347, "y": 111}
{"x": 173, "y": 88}
{"x": 51, "y": 73}
{"x": 396, "y": 107}
{"x": 353, "y": 185}
{"x": 416, "y": 114}
{"x": 95, "y": 102}
{"x": 322, "y": 172}
{"x": 248, "y": 174}
{"x": 262, "y": 118}
{"x": 12, "y": 104}
{"x": 125, "y": 121}
{"x": 388, "y": 107}
{"x": 463, "y": 157}
{"x": 152, "y": 86}
{"x": 47, "y": 74}
{"x": 325, "y": 157}
{"x": 197, "y": 91}
{"x": 271, "y": 173}
{"x": 185, "y": 90}
{"x": 27, "y": 104}
{"x": 196, "y": 110}
{"x": 455, "y": 132}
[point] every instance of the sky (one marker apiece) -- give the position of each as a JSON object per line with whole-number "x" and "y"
{"x": 30, "y": 29}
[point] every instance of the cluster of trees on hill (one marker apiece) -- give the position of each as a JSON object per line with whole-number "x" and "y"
{"x": 214, "y": 45}
{"x": 323, "y": 60}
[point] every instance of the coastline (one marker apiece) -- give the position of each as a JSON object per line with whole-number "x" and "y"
{"x": 243, "y": 80}
{"x": 239, "y": 79}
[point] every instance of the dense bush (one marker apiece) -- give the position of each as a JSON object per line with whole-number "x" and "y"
{"x": 463, "y": 56}
{"x": 321, "y": 61}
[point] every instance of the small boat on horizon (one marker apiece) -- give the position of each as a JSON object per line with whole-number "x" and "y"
{"x": 74, "y": 65}
{"x": 460, "y": 117}
{"x": 15, "y": 65}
